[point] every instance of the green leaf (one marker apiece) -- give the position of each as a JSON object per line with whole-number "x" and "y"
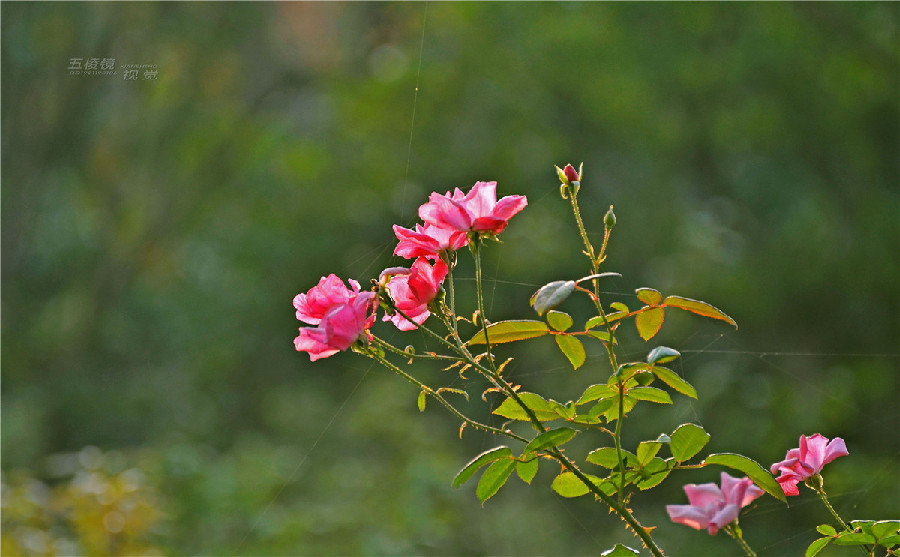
{"x": 527, "y": 469}
{"x": 883, "y": 528}
{"x": 649, "y": 296}
{"x": 543, "y": 410}
{"x": 889, "y": 541}
{"x": 567, "y": 484}
{"x": 686, "y": 441}
{"x": 619, "y": 306}
{"x": 509, "y": 331}
{"x": 672, "y": 379}
{"x": 494, "y": 478}
{"x": 662, "y": 354}
{"x": 607, "y": 457}
{"x": 651, "y": 394}
{"x": 754, "y": 471}
{"x": 552, "y": 438}
{"x": 597, "y": 392}
{"x": 572, "y": 348}
{"x": 421, "y": 401}
{"x": 816, "y": 546}
{"x": 653, "y": 473}
{"x": 486, "y": 457}
{"x": 698, "y": 307}
{"x": 558, "y": 320}
{"x": 826, "y": 529}
{"x": 602, "y": 336}
{"x": 620, "y": 550}
{"x": 648, "y": 322}
{"x": 854, "y": 538}
{"x": 646, "y": 450}
{"x": 551, "y": 295}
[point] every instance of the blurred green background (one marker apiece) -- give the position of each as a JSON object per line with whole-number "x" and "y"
{"x": 154, "y": 232}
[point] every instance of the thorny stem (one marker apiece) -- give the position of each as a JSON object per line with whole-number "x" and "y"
{"x": 821, "y": 492}
{"x": 391, "y": 348}
{"x": 618, "y": 506}
{"x": 734, "y": 531}
{"x": 422, "y": 386}
{"x": 595, "y": 268}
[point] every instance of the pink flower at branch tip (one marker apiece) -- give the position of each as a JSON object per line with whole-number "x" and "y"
{"x": 711, "y": 507}
{"x": 808, "y": 460}
{"x": 342, "y": 316}
{"x": 571, "y": 173}
{"x": 413, "y": 289}
{"x": 476, "y": 211}
{"x": 427, "y": 241}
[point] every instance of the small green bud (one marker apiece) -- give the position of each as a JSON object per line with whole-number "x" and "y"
{"x": 609, "y": 220}
{"x": 815, "y": 483}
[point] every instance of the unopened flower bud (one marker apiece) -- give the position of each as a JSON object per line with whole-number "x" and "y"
{"x": 571, "y": 173}
{"x": 609, "y": 220}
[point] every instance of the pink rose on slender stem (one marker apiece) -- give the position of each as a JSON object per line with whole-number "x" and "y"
{"x": 807, "y": 460}
{"x": 477, "y": 211}
{"x": 342, "y": 316}
{"x": 713, "y": 508}
{"x": 412, "y": 289}
{"x": 427, "y": 241}
{"x": 313, "y": 305}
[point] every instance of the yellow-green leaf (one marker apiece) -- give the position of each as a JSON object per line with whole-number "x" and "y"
{"x": 494, "y": 478}
{"x": 527, "y": 469}
{"x": 558, "y": 320}
{"x": 567, "y": 484}
{"x": 473, "y": 465}
{"x": 698, "y": 307}
{"x": 651, "y": 394}
{"x": 649, "y": 321}
{"x": 542, "y": 409}
{"x": 509, "y": 331}
{"x": 672, "y": 379}
{"x": 572, "y": 348}
{"x": 686, "y": 441}
{"x": 649, "y": 296}
{"x": 552, "y": 438}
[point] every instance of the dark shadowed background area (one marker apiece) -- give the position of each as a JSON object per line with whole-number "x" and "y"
{"x": 157, "y": 222}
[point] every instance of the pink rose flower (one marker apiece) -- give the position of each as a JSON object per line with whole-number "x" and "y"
{"x": 312, "y": 306}
{"x": 477, "y": 211}
{"x": 571, "y": 173}
{"x": 427, "y": 241}
{"x": 342, "y": 316}
{"x": 713, "y": 508}
{"x": 412, "y": 289}
{"x": 807, "y": 460}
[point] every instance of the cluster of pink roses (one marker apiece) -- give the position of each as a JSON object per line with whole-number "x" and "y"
{"x": 713, "y": 508}
{"x": 343, "y": 315}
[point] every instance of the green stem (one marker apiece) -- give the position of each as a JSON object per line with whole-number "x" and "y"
{"x": 734, "y": 531}
{"x": 833, "y": 512}
{"x": 617, "y": 506}
{"x": 595, "y": 268}
{"x": 821, "y": 492}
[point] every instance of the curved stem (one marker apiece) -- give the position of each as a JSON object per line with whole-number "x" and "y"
{"x": 422, "y": 386}
{"x": 617, "y": 506}
{"x": 837, "y": 517}
{"x": 391, "y": 348}
{"x": 734, "y": 531}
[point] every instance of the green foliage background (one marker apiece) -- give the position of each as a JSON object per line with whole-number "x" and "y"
{"x": 155, "y": 232}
